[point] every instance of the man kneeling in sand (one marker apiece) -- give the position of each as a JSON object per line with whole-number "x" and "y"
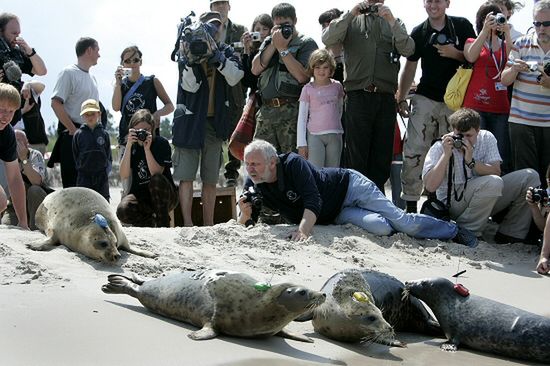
{"x": 306, "y": 196}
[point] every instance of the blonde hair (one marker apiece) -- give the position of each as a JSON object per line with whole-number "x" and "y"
{"x": 320, "y": 57}
{"x": 9, "y": 94}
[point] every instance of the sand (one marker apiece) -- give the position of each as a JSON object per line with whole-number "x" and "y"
{"x": 52, "y": 311}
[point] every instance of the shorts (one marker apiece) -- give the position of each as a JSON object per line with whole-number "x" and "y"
{"x": 186, "y": 161}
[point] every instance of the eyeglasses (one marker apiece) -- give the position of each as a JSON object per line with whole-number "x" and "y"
{"x": 538, "y": 24}
{"x": 134, "y": 60}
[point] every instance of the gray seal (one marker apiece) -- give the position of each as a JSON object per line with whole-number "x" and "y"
{"x": 367, "y": 305}
{"x": 83, "y": 221}
{"x": 483, "y": 324}
{"x": 221, "y": 302}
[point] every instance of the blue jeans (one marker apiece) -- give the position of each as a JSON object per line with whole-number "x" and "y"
{"x": 497, "y": 124}
{"x": 366, "y": 207}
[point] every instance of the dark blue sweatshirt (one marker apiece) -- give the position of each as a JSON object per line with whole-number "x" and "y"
{"x": 301, "y": 185}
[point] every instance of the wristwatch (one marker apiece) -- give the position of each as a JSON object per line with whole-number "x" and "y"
{"x": 471, "y": 164}
{"x": 24, "y": 162}
{"x": 283, "y": 53}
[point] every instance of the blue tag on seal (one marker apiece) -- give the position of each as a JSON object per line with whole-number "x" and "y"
{"x": 101, "y": 221}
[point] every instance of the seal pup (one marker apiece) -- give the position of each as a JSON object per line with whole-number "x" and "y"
{"x": 83, "y": 221}
{"x": 221, "y": 302}
{"x": 484, "y": 324}
{"x": 367, "y": 305}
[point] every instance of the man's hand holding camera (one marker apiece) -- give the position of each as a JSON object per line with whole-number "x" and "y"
{"x": 371, "y": 7}
{"x": 278, "y": 39}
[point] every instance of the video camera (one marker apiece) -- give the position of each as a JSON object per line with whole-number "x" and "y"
{"x": 194, "y": 43}
{"x": 440, "y": 39}
{"x": 12, "y": 71}
{"x": 256, "y": 201}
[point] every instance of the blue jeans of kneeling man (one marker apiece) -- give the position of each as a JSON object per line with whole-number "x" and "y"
{"x": 365, "y": 206}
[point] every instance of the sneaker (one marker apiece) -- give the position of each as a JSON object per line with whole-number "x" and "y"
{"x": 466, "y": 237}
{"x": 231, "y": 182}
{"x": 501, "y": 238}
{"x": 411, "y": 207}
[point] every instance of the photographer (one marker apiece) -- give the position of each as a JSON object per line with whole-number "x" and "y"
{"x": 147, "y": 161}
{"x": 202, "y": 118}
{"x": 529, "y": 71}
{"x": 539, "y": 204}
{"x": 439, "y": 42}
{"x": 306, "y": 196}
{"x": 477, "y": 190}
{"x": 281, "y": 67}
{"x": 16, "y": 56}
{"x": 373, "y": 41}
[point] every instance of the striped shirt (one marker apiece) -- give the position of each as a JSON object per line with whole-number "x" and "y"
{"x": 530, "y": 101}
{"x": 485, "y": 151}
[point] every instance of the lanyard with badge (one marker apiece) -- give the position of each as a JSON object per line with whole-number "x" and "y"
{"x": 498, "y": 65}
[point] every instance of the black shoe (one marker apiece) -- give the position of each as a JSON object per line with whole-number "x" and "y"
{"x": 231, "y": 182}
{"x": 466, "y": 237}
{"x": 411, "y": 207}
{"x": 501, "y": 238}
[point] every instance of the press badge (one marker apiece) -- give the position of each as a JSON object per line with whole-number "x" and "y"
{"x": 500, "y": 87}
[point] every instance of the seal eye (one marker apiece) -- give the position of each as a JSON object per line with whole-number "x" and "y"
{"x": 102, "y": 244}
{"x": 371, "y": 318}
{"x": 302, "y": 292}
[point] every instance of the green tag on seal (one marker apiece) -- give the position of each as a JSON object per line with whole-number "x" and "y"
{"x": 262, "y": 286}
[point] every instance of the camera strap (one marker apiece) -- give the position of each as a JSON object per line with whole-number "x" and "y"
{"x": 498, "y": 65}
{"x": 458, "y": 197}
{"x": 132, "y": 90}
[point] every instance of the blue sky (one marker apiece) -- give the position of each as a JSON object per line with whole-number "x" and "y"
{"x": 53, "y": 26}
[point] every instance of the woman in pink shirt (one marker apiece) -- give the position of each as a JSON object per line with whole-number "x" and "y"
{"x": 319, "y": 137}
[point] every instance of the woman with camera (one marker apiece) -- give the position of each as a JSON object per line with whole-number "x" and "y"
{"x": 261, "y": 28}
{"x": 133, "y": 91}
{"x": 147, "y": 160}
{"x": 486, "y": 94}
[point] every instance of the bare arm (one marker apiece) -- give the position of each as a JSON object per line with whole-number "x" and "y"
{"x": 165, "y": 99}
{"x": 17, "y": 191}
{"x": 305, "y": 226}
{"x": 262, "y": 59}
{"x": 61, "y": 114}
{"x": 434, "y": 178}
{"x": 116, "y": 100}
{"x": 543, "y": 266}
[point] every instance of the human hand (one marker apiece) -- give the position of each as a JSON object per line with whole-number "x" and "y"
{"x": 447, "y": 50}
{"x": 543, "y": 267}
{"x": 385, "y": 13}
{"x": 23, "y": 45}
{"x": 245, "y": 208}
{"x": 148, "y": 141}
{"x": 22, "y": 152}
{"x": 447, "y": 141}
{"x": 356, "y": 10}
{"x": 118, "y": 75}
{"x": 131, "y": 138}
{"x": 216, "y": 59}
{"x": 72, "y": 130}
{"x": 303, "y": 151}
{"x": 467, "y": 149}
{"x": 246, "y": 40}
{"x": 519, "y": 65}
{"x": 403, "y": 109}
{"x": 277, "y": 39}
{"x": 543, "y": 79}
{"x": 297, "y": 235}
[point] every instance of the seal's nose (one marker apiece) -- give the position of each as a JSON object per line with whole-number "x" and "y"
{"x": 116, "y": 257}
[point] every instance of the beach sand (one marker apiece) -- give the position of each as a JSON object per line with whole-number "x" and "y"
{"x": 53, "y": 312}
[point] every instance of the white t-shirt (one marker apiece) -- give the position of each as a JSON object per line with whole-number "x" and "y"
{"x": 73, "y": 87}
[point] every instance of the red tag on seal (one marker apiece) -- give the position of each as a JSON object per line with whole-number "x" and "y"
{"x": 461, "y": 290}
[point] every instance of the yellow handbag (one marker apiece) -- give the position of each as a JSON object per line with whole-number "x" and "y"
{"x": 457, "y": 86}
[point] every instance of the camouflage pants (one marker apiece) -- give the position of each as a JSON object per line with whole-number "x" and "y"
{"x": 427, "y": 122}
{"x": 278, "y": 125}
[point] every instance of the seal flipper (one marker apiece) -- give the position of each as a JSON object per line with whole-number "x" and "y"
{"x": 305, "y": 317}
{"x": 44, "y": 245}
{"x": 296, "y": 337}
{"x": 121, "y": 285}
{"x": 206, "y": 332}
{"x": 141, "y": 252}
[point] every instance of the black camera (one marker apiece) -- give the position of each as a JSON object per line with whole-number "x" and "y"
{"x": 394, "y": 57}
{"x": 142, "y": 134}
{"x": 500, "y": 18}
{"x": 369, "y": 9}
{"x": 287, "y": 30}
{"x": 538, "y": 194}
{"x": 440, "y": 39}
{"x": 457, "y": 141}
{"x": 547, "y": 68}
{"x": 256, "y": 201}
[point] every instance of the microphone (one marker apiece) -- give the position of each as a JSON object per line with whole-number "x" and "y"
{"x": 12, "y": 71}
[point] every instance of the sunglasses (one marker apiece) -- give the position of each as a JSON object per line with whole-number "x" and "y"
{"x": 538, "y": 24}
{"x": 134, "y": 60}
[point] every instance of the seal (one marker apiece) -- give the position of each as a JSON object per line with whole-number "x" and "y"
{"x": 221, "y": 302}
{"x": 367, "y": 305}
{"x": 483, "y": 324}
{"x": 83, "y": 221}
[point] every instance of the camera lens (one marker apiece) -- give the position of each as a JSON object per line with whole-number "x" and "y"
{"x": 500, "y": 18}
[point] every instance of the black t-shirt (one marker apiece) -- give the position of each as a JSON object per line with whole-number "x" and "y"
{"x": 438, "y": 70}
{"x": 8, "y": 144}
{"x": 140, "y": 171}
{"x": 34, "y": 123}
{"x": 145, "y": 97}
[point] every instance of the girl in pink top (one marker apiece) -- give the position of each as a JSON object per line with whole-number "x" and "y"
{"x": 319, "y": 118}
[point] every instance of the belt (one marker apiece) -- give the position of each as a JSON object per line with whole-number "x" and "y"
{"x": 277, "y": 102}
{"x": 372, "y": 89}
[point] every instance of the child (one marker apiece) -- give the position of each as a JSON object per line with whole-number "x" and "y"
{"x": 92, "y": 151}
{"x": 320, "y": 111}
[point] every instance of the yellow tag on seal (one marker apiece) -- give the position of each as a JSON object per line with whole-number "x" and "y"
{"x": 360, "y": 296}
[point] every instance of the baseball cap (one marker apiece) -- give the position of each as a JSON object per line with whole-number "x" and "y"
{"x": 210, "y": 16}
{"x": 218, "y": 1}
{"x": 89, "y": 105}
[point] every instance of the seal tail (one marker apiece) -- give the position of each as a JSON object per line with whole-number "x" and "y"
{"x": 119, "y": 284}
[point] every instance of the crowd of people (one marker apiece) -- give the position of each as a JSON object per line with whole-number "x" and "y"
{"x": 325, "y": 121}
